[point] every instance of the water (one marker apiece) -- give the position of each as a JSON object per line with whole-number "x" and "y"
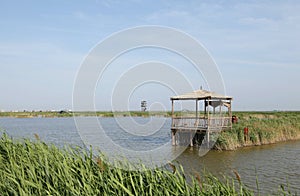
{"x": 59, "y": 131}
{"x": 273, "y": 165}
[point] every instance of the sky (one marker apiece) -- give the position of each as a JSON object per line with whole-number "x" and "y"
{"x": 43, "y": 44}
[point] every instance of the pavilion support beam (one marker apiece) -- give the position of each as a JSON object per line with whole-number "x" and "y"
{"x": 208, "y": 123}
{"x": 196, "y": 108}
{"x": 196, "y": 122}
{"x": 208, "y": 118}
{"x": 230, "y": 114}
{"x": 205, "y": 107}
{"x": 220, "y": 113}
{"x": 172, "y": 114}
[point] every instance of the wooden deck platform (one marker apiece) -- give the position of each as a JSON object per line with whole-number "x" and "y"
{"x": 201, "y": 123}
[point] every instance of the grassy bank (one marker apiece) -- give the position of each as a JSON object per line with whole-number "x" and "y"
{"x": 242, "y": 115}
{"x": 52, "y": 114}
{"x": 34, "y": 114}
{"x": 34, "y": 168}
{"x": 263, "y": 128}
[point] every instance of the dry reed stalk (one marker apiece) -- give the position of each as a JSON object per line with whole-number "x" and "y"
{"x": 237, "y": 175}
{"x": 198, "y": 178}
{"x": 37, "y": 137}
{"x": 100, "y": 164}
{"x": 173, "y": 167}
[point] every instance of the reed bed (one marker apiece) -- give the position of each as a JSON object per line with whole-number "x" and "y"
{"x": 35, "y": 168}
{"x": 264, "y": 128}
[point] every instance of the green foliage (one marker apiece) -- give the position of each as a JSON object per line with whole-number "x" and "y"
{"x": 28, "y": 114}
{"x": 34, "y": 168}
{"x": 264, "y": 128}
{"x": 253, "y": 137}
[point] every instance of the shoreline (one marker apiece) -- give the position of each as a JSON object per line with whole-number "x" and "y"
{"x": 263, "y": 129}
{"x": 105, "y": 114}
{"x": 253, "y": 145}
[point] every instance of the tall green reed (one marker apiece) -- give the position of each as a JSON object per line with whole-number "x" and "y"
{"x": 36, "y": 168}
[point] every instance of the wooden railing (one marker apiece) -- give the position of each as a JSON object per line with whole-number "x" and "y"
{"x": 201, "y": 122}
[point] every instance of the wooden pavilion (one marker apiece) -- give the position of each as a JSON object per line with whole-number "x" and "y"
{"x": 215, "y": 116}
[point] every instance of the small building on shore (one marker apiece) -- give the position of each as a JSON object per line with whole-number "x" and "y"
{"x": 191, "y": 127}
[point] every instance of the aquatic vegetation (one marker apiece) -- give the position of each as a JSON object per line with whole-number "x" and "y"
{"x": 35, "y": 168}
{"x": 264, "y": 128}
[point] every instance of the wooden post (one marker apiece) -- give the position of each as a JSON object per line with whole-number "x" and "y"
{"x": 204, "y": 107}
{"x": 230, "y": 114}
{"x": 172, "y": 125}
{"x": 191, "y": 138}
{"x": 172, "y": 115}
{"x": 220, "y": 115}
{"x": 208, "y": 124}
{"x": 208, "y": 120}
{"x": 207, "y": 137}
{"x": 173, "y": 137}
{"x": 196, "y": 121}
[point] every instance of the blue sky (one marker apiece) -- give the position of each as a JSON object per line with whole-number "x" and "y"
{"x": 256, "y": 45}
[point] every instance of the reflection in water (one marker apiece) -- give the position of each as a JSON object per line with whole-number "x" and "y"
{"x": 272, "y": 164}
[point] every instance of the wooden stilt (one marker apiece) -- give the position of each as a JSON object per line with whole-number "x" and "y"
{"x": 191, "y": 139}
{"x": 172, "y": 115}
{"x": 173, "y": 138}
{"x": 208, "y": 125}
{"x": 208, "y": 138}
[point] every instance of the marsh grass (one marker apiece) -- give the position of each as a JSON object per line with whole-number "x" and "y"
{"x": 50, "y": 114}
{"x": 264, "y": 128}
{"x": 35, "y": 168}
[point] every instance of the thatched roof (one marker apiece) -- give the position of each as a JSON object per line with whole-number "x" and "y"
{"x": 200, "y": 94}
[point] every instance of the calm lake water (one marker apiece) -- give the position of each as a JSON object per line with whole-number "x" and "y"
{"x": 272, "y": 164}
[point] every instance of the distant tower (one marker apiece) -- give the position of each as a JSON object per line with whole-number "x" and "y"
{"x": 143, "y": 106}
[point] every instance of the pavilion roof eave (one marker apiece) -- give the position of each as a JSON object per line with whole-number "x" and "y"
{"x": 202, "y": 98}
{"x": 201, "y": 95}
